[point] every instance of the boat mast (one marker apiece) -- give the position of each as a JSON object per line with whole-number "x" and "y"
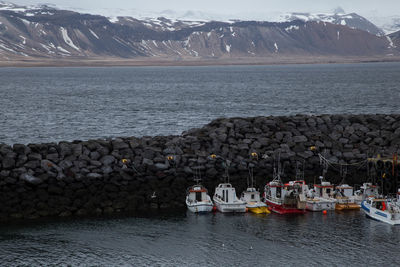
{"x": 277, "y": 172}
{"x": 299, "y": 174}
{"x": 226, "y": 165}
{"x": 197, "y": 175}
{"x": 251, "y": 176}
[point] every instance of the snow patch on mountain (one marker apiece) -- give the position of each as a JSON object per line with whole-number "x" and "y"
{"x": 63, "y": 50}
{"x": 391, "y": 44}
{"x": 291, "y": 28}
{"x": 23, "y": 39}
{"x": 67, "y": 39}
{"x": 94, "y": 34}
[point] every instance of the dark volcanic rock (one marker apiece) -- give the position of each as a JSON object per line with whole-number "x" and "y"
{"x": 101, "y": 176}
{"x": 30, "y": 179}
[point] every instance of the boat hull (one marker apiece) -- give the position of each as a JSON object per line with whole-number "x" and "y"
{"x": 200, "y": 207}
{"x": 347, "y": 206}
{"x": 259, "y": 210}
{"x": 228, "y": 207}
{"x": 281, "y": 209}
{"x": 320, "y": 205}
{"x": 257, "y": 207}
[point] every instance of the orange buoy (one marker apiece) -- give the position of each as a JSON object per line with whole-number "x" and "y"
{"x": 324, "y": 212}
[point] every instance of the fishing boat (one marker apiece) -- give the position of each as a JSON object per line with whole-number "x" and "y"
{"x": 252, "y": 196}
{"x": 225, "y": 199}
{"x": 321, "y": 197}
{"x": 343, "y": 194}
{"x": 253, "y": 201}
{"x": 345, "y": 198}
{"x": 365, "y": 191}
{"x": 381, "y": 210}
{"x": 286, "y": 198}
{"x": 198, "y": 200}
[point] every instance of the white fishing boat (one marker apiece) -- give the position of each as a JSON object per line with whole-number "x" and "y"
{"x": 321, "y": 197}
{"x": 198, "y": 200}
{"x": 225, "y": 199}
{"x": 252, "y": 196}
{"x": 365, "y": 191}
{"x": 381, "y": 210}
{"x": 253, "y": 201}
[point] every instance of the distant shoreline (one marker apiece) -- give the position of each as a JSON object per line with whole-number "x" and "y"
{"x": 143, "y": 62}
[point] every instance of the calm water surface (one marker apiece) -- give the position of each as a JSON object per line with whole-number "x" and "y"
{"x": 336, "y": 239}
{"x": 55, "y": 104}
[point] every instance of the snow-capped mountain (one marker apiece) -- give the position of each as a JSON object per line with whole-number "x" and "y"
{"x": 351, "y": 20}
{"x": 388, "y": 24}
{"x": 338, "y": 16}
{"x": 395, "y": 39}
{"x": 48, "y": 32}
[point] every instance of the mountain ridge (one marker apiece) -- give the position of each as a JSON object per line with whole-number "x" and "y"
{"x": 47, "y": 32}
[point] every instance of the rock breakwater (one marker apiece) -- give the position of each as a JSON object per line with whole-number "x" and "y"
{"x": 130, "y": 174}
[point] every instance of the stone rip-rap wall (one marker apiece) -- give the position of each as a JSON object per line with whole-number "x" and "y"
{"x": 92, "y": 177}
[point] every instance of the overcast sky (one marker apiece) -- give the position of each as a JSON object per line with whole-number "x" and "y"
{"x": 363, "y": 7}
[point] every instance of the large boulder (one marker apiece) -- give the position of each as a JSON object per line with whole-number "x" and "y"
{"x": 107, "y": 160}
{"x": 30, "y": 179}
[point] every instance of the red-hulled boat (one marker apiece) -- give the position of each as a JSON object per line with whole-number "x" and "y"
{"x": 286, "y": 198}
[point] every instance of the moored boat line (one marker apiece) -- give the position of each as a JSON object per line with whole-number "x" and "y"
{"x": 294, "y": 197}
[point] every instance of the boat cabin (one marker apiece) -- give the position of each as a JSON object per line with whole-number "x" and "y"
{"x": 323, "y": 190}
{"x": 197, "y": 193}
{"x": 297, "y": 187}
{"x": 344, "y": 190}
{"x": 273, "y": 190}
{"x": 226, "y": 192}
{"x": 368, "y": 189}
{"x": 377, "y": 203}
{"x": 251, "y": 195}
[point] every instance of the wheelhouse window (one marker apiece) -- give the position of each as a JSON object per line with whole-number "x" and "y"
{"x": 328, "y": 190}
{"x": 278, "y": 192}
{"x": 198, "y": 196}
